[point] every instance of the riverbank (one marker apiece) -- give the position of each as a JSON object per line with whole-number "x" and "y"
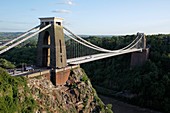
{"x": 121, "y": 107}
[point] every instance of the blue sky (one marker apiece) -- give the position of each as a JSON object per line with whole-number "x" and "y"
{"x": 91, "y": 17}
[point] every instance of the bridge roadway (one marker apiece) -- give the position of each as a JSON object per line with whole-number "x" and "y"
{"x": 89, "y": 58}
{"x": 38, "y": 71}
{"x": 74, "y": 61}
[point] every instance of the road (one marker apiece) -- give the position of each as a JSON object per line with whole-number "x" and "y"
{"x": 121, "y": 107}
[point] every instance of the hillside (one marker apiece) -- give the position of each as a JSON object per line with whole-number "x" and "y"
{"x": 15, "y": 95}
{"x": 145, "y": 86}
{"x": 18, "y": 94}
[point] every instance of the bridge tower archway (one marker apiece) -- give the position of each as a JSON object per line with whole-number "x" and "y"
{"x": 46, "y": 50}
{"x": 46, "y": 39}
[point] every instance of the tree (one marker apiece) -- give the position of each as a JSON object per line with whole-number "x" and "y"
{"x": 6, "y": 64}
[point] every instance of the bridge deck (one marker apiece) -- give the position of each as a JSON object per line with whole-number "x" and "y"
{"x": 25, "y": 73}
{"x": 90, "y": 58}
{"x": 40, "y": 71}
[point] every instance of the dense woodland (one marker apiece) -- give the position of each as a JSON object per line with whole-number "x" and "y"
{"x": 149, "y": 84}
{"x": 24, "y": 53}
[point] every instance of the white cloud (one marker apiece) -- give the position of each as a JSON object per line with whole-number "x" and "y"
{"x": 68, "y": 2}
{"x": 62, "y": 11}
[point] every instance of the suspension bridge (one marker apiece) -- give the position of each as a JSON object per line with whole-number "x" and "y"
{"x": 58, "y": 47}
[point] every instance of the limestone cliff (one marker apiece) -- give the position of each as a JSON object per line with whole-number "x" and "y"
{"x": 76, "y": 96}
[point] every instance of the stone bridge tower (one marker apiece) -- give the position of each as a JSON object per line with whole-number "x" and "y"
{"x": 51, "y": 51}
{"x": 139, "y": 58}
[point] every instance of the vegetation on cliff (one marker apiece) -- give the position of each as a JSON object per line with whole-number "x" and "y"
{"x": 6, "y": 64}
{"x": 30, "y": 95}
{"x": 15, "y": 95}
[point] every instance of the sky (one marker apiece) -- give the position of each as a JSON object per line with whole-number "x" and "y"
{"x": 89, "y": 17}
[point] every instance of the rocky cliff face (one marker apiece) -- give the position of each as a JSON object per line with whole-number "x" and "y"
{"x": 76, "y": 96}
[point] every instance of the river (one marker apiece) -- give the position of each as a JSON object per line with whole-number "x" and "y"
{"x": 121, "y": 107}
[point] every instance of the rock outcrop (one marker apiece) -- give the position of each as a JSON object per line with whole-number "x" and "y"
{"x": 76, "y": 96}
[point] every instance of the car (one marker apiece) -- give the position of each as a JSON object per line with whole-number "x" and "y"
{"x": 29, "y": 68}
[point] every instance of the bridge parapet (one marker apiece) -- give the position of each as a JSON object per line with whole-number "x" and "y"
{"x": 56, "y": 76}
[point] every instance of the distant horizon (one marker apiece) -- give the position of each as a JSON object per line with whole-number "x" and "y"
{"x": 104, "y": 34}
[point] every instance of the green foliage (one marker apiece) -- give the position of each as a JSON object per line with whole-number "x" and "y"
{"x": 14, "y": 94}
{"x": 84, "y": 78}
{"x": 22, "y": 55}
{"x": 150, "y": 82}
{"x": 74, "y": 85}
{"x": 104, "y": 109}
{"x": 6, "y": 64}
{"x": 108, "y": 108}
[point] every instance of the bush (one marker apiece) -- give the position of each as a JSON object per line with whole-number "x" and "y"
{"x": 6, "y": 64}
